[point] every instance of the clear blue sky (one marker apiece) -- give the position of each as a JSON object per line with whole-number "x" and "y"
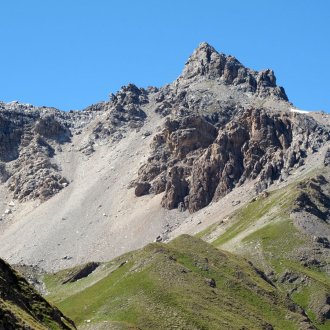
{"x": 72, "y": 53}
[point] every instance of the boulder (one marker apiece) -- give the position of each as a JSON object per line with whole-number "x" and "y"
{"x": 142, "y": 188}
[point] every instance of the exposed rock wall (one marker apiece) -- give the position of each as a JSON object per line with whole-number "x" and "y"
{"x": 195, "y": 163}
{"x": 27, "y": 140}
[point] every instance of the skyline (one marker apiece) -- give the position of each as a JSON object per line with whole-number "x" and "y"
{"x": 71, "y": 55}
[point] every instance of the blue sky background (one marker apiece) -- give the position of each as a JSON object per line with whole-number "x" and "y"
{"x": 72, "y": 53}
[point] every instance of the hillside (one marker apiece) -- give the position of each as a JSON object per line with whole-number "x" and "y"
{"x": 185, "y": 284}
{"x": 21, "y": 307}
{"x": 286, "y": 233}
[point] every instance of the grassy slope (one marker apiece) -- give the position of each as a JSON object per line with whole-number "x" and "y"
{"x": 22, "y": 307}
{"x": 275, "y": 247}
{"x": 13, "y": 316}
{"x": 166, "y": 287}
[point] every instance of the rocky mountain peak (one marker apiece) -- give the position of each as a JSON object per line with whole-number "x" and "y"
{"x": 204, "y": 52}
{"x": 206, "y": 63}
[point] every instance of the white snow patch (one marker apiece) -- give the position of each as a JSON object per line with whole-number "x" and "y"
{"x": 298, "y": 110}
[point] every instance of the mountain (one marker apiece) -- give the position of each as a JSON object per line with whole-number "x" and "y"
{"x": 21, "y": 307}
{"x": 220, "y": 153}
{"x": 90, "y": 185}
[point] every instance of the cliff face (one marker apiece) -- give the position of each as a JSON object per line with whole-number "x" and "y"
{"x": 194, "y": 162}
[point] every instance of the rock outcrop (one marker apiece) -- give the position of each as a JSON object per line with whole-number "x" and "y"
{"x": 218, "y": 135}
{"x": 207, "y": 63}
{"x": 196, "y": 163}
{"x": 28, "y": 139}
{"x": 122, "y": 113}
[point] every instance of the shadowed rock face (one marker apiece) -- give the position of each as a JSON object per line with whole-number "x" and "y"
{"x": 254, "y": 145}
{"x": 50, "y": 128}
{"x": 187, "y": 134}
{"x": 11, "y": 130}
{"x": 83, "y": 271}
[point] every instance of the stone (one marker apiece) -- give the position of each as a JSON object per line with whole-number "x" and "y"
{"x": 311, "y": 262}
{"x": 142, "y": 188}
{"x": 146, "y": 133}
{"x": 4, "y": 175}
{"x": 264, "y": 194}
{"x": 181, "y": 207}
{"x": 176, "y": 188}
{"x": 49, "y": 127}
{"x": 326, "y": 161}
{"x": 158, "y": 239}
{"x": 288, "y": 277}
{"x": 324, "y": 241}
{"x": 211, "y": 282}
{"x": 324, "y": 313}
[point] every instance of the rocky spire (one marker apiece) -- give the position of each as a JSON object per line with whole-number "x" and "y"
{"x": 206, "y": 63}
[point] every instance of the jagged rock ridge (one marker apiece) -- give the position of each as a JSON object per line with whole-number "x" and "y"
{"x": 29, "y": 137}
{"x": 207, "y": 63}
{"x": 213, "y": 142}
{"x": 222, "y": 128}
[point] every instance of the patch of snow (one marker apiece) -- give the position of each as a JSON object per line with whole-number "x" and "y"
{"x": 298, "y": 110}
